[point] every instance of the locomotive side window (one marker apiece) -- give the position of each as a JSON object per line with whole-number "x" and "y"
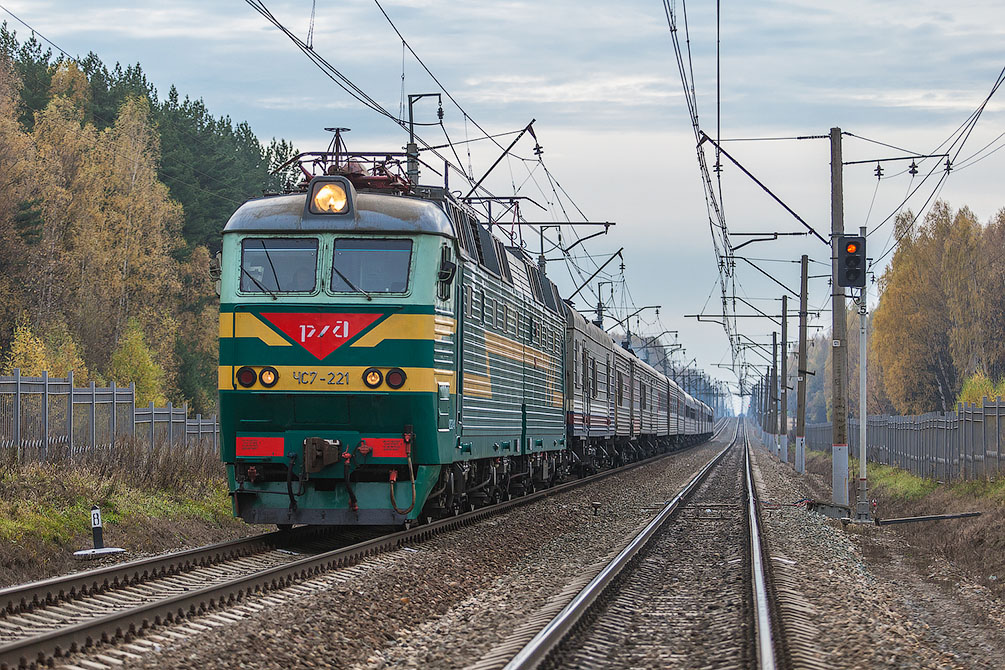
{"x": 476, "y": 305}
{"x": 487, "y": 311}
{"x": 278, "y": 265}
{"x": 596, "y": 390}
{"x": 371, "y": 265}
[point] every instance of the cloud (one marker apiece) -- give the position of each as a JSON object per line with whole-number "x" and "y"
{"x": 597, "y": 88}
{"x": 302, "y": 103}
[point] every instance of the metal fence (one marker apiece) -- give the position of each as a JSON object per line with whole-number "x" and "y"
{"x": 44, "y": 417}
{"x": 965, "y": 444}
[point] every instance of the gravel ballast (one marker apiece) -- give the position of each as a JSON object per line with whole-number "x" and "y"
{"x": 445, "y": 602}
{"x": 872, "y": 608}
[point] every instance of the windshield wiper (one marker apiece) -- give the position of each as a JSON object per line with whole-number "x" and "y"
{"x": 275, "y": 275}
{"x": 258, "y": 283}
{"x": 349, "y": 283}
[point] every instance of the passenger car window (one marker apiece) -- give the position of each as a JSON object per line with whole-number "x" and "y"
{"x": 275, "y": 265}
{"x": 371, "y": 265}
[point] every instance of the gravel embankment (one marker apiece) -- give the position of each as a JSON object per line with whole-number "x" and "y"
{"x": 868, "y": 605}
{"x": 445, "y": 602}
{"x": 685, "y": 603}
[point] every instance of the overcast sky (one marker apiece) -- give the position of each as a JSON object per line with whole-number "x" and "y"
{"x": 601, "y": 80}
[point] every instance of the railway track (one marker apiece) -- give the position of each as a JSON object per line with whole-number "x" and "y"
{"x": 52, "y": 619}
{"x": 690, "y": 589}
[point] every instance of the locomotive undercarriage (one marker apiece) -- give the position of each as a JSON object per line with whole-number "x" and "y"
{"x": 468, "y": 485}
{"x": 458, "y": 487}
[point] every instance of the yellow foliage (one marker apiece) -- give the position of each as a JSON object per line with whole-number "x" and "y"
{"x": 133, "y": 362}
{"x": 27, "y": 352}
{"x": 64, "y": 354}
{"x": 71, "y": 83}
{"x": 912, "y": 336}
{"x": 978, "y": 386}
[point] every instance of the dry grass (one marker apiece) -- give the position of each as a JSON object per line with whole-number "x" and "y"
{"x": 151, "y": 501}
{"x": 975, "y": 545}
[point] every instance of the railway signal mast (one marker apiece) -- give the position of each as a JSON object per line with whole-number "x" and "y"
{"x": 839, "y": 350}
{"x": 852, "y": 273}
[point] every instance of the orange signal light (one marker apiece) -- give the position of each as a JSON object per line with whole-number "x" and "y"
{"x": 851, "y": 248}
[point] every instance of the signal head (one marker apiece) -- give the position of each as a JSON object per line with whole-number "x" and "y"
{"x": 851, "y": 261}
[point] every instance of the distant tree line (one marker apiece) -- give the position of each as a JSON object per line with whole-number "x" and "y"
{"x": 112, "y": 202}
{"x": 937, "y": 336}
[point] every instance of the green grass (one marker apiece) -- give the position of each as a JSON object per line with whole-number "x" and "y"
{"x": 51, "y": 502}
{"x": 895, "y": 482}
{"x": 993, "y": 491}
{"x": 60, "y": 522}
{"x": 899, "y": 483}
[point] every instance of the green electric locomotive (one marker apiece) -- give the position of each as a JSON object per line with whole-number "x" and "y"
{"x": 382, "y": 355}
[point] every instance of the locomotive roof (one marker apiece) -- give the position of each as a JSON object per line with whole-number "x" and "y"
{"x": 372, "y": 212}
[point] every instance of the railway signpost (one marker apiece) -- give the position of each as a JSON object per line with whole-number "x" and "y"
{"x": 98, "y": 538}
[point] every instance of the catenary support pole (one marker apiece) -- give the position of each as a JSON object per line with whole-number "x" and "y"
{"x": 801, "y": 370}
{"x": 774, "y": 392}
{"x": 839, "y": 348}
{"x": 783, "y": 415}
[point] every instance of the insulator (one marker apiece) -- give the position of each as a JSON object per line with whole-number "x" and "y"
{"x": 439, "y": 112}
{"x": 949, "y": 165}
{"x": 913, "y": 170}
{"x": 879, "y": 171}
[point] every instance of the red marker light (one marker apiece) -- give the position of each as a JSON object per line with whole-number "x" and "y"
{"x": 246, "y": 376}
{"x": 395, "y": 378}
{"x": 851, "y": 248}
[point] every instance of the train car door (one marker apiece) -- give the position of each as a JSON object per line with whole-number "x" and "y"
{"x": 585, "y": 387}
{"x": 632, "y": 413}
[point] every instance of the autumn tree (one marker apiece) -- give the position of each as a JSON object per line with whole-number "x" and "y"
{"x": 111, "y": 203}
{"x": 27, "y": 352}
{"x": 923, "y": 335}
{"x": 21, "y": 224}
{"x": 133, "y": 362}
{"x": 987, "y": 277}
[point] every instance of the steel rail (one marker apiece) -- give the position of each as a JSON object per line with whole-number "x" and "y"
{"x": 535, "y": 652}
{"x": 25, "y": 597}
{"x": 41, "y": 649}
{"x": 763, "y": 624}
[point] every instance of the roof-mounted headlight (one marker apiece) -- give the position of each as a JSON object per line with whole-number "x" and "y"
{"x": 329, "y": 198}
